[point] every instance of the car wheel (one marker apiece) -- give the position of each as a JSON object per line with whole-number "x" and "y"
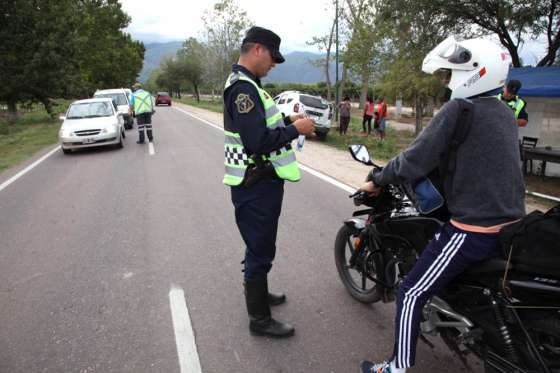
{"x": 120, "y": 145}
{"x": 170, "y": 104}
{"x": 66, "y": 151}
{"x": 321, "y": 136}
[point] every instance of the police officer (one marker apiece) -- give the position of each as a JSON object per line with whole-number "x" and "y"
{"x": 143, "y": 109}
{"x": 510, "y": 97}
{"x": 258, "y": 158}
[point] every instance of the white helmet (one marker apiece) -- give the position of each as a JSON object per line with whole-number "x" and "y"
{"x": 477, "y": 65}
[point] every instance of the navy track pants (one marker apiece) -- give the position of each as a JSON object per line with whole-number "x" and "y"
{"x": 446, "y": 256}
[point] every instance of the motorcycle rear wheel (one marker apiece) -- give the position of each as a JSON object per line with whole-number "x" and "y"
{"x": 355, "y": 279}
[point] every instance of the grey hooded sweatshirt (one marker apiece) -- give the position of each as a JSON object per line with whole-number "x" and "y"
{"x": 487, "y": 187}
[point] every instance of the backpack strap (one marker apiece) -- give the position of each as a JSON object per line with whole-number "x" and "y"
{"x": 462, "y": 127}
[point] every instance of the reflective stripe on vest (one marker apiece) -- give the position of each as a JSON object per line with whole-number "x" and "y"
{"x": 142, "y": 102}
{"x": 236, "y": 158}
{"x": 516, "y": 105}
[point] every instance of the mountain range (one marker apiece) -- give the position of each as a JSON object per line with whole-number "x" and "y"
{"x": 297, "y": 68}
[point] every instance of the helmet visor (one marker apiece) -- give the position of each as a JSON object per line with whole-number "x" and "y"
{"x": 455, "y": 53}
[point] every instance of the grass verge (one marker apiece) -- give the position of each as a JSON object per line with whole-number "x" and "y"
{"x": 394, "y": 142}
{"x": 31, "y": 132}
{"x": 215, "y": 106}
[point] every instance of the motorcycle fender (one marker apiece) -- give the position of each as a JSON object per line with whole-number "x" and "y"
{"x": 357, "y": 225}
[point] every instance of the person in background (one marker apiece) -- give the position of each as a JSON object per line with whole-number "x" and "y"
{"x": 143, "y": 104}
{"x": 345, "y": 107}
{"x": 511, "y": 99}
{"x": 368, "y": 115}
{"x": 381, "y": 112}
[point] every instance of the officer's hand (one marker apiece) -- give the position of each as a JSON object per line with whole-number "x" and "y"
{"x": 295, "y": 117}
{"x": 304, "y": 126}
{"x": 371, "y": 188}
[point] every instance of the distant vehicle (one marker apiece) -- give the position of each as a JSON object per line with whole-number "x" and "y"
{"x": 120, "y": 96}
{"x": 315, "y": 107}
{"x": 91, "y": 122}
{"x": 163, "y": 98}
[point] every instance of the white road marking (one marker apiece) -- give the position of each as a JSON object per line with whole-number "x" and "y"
{"x": 200, "y": 119}
{"x": 27, "y": 169}
{"x": 307, "y": 169}
{"x": 151, "y": 149}
{"x": 184, "y": 334}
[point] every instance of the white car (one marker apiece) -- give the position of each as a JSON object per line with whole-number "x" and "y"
{"x": 315, "y": 107}
{"x": 121, "y": 98}
{"x": 91, "y": 122}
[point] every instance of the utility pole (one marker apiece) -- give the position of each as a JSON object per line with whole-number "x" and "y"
{"x": 337, "y": 95}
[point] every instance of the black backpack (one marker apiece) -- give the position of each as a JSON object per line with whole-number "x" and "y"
{"x": 533, "y": 243}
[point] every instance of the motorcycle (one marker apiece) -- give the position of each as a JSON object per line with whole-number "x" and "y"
{"x": 509, "y": 318}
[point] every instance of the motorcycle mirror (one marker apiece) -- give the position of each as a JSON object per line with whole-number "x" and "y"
{"x": 361, "y": 154}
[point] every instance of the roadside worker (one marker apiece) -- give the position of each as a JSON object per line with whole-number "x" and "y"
{"x": 143, "y": 109}
{"x": 484, "y": 192}
{"x": 381, "y": 111}
{"x": 518, "y": 105}
{"x": 368, "y": 115}
{"x": 258, "y": 158}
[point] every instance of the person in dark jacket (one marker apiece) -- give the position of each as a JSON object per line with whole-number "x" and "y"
{"x": 485, "y": 193}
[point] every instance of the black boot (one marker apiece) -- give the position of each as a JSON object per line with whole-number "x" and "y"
{"x": 276, "y": 299}
{"x": 261, "y": 322}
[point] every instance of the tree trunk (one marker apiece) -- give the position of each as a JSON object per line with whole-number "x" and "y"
{"x": 418, "y": 108}
{"x": 365, "y": 87}
{"x": 327, "y": 60}
{"x": 196, "y": 92}
{"x": 47, "y": 103}
{"x": 12, "y": 111}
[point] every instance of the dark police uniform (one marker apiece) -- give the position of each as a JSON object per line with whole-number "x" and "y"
{"x": 257, "y": 206}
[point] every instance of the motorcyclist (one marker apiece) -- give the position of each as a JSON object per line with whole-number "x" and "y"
{"x": 484, "y": 193}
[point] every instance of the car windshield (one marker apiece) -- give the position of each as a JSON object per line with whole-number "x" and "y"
{"x": 163, "y": 94}
{"x": 312, "y": 102}
{"x": 119, "y": 98}
{"x": 90, "y": 110}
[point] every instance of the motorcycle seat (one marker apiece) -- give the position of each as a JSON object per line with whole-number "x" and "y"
{"x": 489, "y": 266}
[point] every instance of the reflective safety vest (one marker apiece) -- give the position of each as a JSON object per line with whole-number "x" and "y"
{"x": 236, "y": 157}
{"x": 516, "y": 105}
{"x": 142, "y": 102}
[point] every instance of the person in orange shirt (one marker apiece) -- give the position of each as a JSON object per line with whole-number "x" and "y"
{"x": 381, "y": 111}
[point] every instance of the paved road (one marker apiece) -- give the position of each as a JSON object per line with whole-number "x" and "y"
{"x": 92, "y": 243}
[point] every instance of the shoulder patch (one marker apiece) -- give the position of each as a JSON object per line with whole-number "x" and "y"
{"x": 244, "y": 103}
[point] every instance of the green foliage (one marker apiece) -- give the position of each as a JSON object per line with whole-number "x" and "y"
{"x": 64, "y": 48}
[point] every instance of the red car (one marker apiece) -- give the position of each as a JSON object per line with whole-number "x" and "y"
{"x": 163, "y": 98}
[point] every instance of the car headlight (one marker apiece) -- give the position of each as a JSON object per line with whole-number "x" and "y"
{"x": 110, "y": 129}
{"x": 65, "y": 132}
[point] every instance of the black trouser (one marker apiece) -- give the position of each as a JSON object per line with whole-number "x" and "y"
{"x": 144, "y": 120}
{"x": 257, "y": 210}
{"x": 367, "y": 118}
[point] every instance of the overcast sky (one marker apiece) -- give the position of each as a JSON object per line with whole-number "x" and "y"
{"x": 295, "y": 21}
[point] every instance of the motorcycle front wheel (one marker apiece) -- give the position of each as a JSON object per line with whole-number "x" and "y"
{"x": 357, "y": 278}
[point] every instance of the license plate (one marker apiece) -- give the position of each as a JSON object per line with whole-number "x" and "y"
{"x": 88, "y": 140}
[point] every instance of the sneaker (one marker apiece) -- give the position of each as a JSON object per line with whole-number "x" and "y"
{"x": 369, "y": 367}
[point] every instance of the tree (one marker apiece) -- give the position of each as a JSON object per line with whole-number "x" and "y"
{"x": 324, "y": 43}
{"x": 64, "y": 48}
{"x": 412, "y": 30}
{"x": 225, "y": 27}
{"x": 192, "y": 58}
{"x": 513, "y": 21}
